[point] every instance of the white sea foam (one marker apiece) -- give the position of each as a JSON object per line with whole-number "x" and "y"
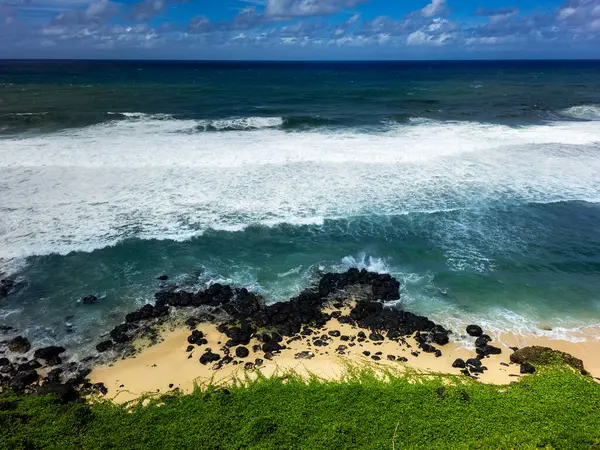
{"x": 244, "y": 123}
{"x": 583, "y": 112}
{"x": 82, "y": 189}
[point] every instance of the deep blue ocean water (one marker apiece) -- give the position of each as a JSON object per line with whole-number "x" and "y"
{"x": 477, "y": 184}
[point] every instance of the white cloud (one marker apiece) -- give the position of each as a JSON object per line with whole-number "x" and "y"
{"x": 435, "y": 8}
{"x": 288, "y": 9}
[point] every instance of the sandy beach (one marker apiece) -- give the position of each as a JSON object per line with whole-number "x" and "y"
{"x": 167, "y": 365}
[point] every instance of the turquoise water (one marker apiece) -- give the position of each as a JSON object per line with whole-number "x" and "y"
{"x": 476, "y": 184}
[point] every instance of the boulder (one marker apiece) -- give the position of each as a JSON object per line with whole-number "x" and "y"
{"x": 474, "y": 330}
{"x": 104, "y": 346}
{"x": 241, "y": 352}
{"x": 488, "y": 350}
{"x": 474, "y": 362}
{"x": 195, "y": 337}
{"x": 459, "y": 363}
{"x": 209, "y": 357}
{"x": 120, "y": 333}
{"x": 89, "y": 299}
{"x": 23, "y": 379}
{"x": 545, "y": 355}
{"x": 19, "y": 344}
{"x": 482, "y": 340}
{"x": 527, "y": 368}
{"x": 50, "y": 353}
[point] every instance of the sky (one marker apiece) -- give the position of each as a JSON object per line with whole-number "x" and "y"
{"x": 300, "y": 29}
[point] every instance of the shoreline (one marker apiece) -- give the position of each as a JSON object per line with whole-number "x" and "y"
{"x": 222, "y": 334}
{"x": 165, "y": 366}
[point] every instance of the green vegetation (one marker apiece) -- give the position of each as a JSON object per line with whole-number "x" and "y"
{"x": 555, "y": 408}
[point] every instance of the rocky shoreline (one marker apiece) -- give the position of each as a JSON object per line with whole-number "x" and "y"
{"x": 352, "y": 299}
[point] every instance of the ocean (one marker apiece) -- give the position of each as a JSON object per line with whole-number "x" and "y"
{"x": 476, "y": 184}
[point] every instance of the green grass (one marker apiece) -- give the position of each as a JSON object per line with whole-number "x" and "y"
{"x": 555, "y": 408}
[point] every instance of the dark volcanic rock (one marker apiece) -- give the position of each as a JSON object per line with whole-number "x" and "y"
{"x": 459, "y": 364}
{"x": 482, "y": 340}
{"x": 49, "y": 354}
{"x": 148, "y": 312}
{"x": 474, "y": 362}
{"x": 163, "y": 278}
{"x": 104, "y": 346}
{"x": 488, "y": 350}
{"x": 241, "y": 352}
{"x": 474, "y": 330}
{"x": 427, "y": 348}
{"x": 100, "y": 387}
{"x": 53, "y": 376}
{"x": 4, "y": 362}
{"x": 19, "y": 345}
{"x": 334, "y": 333}
{"x": 89, "y": 299}
{"x": 195, "y": 337}
{"x": 527, "y": 368}
{"x": 376, "y": 337}
{"x": 120, "y": 333}
{"x": 304, "y": 355}
{"x": 209, "y": 357}
{"x": 23, "y": 379}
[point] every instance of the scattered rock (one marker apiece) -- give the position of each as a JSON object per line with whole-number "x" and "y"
{"x": 482, "y": 340}
{"x": 100, "y": 387}
{"x": 89, "y": 299}
{"x": 19, "y": 344}
{"x": 441, "y": 392}
{"x": 474, "y": 330}
{"x": 488, "y": 350}
{"x": 209, "y": 357}
{"x": 163, "y": 278}
{"x": 195, "y": 337}
{"x": 334, "y": 333}
{"x": 527, "y": 368}
{"x": 376, "y": 337}
{"x": 459, "y": 363}
{"x": 474, "y": 362}
{"x": 50, "y": 354}
{"x": 241, "y": 352}
{"x": 104, "y": 346}
{"x": 189, "y": 348}
{"x": 304, "y": 355}
{"x": 367, "y": 353}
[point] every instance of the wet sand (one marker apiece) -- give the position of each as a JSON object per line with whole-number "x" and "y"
{"x": 165, "y": 366}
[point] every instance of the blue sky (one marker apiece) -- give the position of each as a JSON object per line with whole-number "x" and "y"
{"x": 300, "y": 29}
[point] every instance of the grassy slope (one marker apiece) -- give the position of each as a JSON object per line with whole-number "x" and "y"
{"x": 555, "y": 408}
